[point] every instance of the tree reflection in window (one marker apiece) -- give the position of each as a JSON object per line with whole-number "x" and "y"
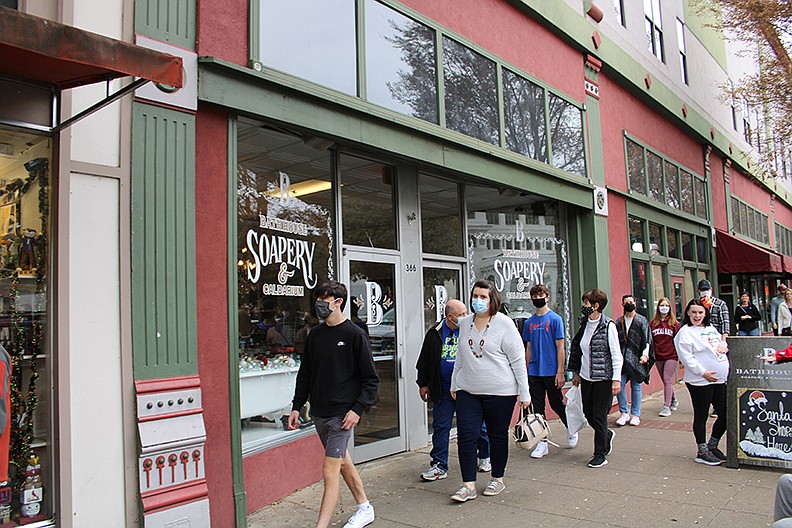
{"x": 566, "y": 136}
{"x": 470, "y": 92}
{"x": 635, "y": 167}
{"x": 687, "y": 191}
{"x": 524, "y": 117}
{"x": 654, "y": 166}
{"x": 672, "y": 185}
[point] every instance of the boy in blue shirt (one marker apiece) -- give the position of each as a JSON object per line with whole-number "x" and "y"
{"x": 545, "y": 356}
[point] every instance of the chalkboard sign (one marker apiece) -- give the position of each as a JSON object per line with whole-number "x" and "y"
{"x": 759, "y": 405}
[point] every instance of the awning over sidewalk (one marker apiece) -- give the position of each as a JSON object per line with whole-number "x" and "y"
{"x": 739, "y": 256}
{"x": 64, "y": 57}
{"x": 787, "y": 262}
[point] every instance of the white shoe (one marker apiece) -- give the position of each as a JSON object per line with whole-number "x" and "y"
{"x": 623, "y": 419}
{"x": 572, "y": 439}
{"x": 361, "y": 518}
{"x": 484, "y": 465}
{"x": 540, "y": 450}
{"x": 635, "y": 421}
{"x": 674, "y": 404}
{"x": 664, "y": 411}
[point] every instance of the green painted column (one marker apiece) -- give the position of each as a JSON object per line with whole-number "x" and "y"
{"x": 594, "y": 228}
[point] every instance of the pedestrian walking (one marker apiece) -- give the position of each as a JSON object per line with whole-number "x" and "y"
{"x": 747, "y": 316}
{"x": 545, "y": 355}
{"x": 664, "y": 327}
{"x": 717, "y": 308}
{"x": 435, "y": 366}
{"x": 596, "y": 360}
{"x": 774, "y": 305}
{"x": 785, "y": 314}
{"x": 489, "y": 376}
{"x": 635, "y": 341}
{"x": 338, "y": 377}
{"x": 703, "y": 352}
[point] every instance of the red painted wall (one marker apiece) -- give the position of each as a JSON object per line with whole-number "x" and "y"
{"x": 720, "y": 201}
{"x": 222, "y": 30}
{"x": 211, "y": 211}
{"x": 783, "y": 215}
{"x": 749, "y": 190}
{"x": 511, "y": 35}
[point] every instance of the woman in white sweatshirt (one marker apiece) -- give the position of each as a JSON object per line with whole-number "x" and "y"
{"x": 703, "y": 352}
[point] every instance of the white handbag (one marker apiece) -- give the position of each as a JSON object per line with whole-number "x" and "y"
{"x": 530, "y": 429}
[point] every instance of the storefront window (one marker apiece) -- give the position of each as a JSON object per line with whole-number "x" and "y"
{"x": 636, "y": 235}
{"x": 441, "y": 217}
{"x": 702, "y": 252}
{"x": 687, "y": 246}
{"x": 672, "y": 185}
{"x": 26, "y": 443}
{"x": 524, "y": 116}
{"x": 566, "y": 136}
{"x": 635, "y": 167}
{"x": 323, "y": 50}
{"x": 656, "y": 240}
{"x": 367, "y": 191}
{"x": 284, "y": 249}
{"x": 672, "y": 237}
{"x": 640, "y": 288}
{"x": 700, "y": 197}
{"x": 401, "y": 72}
{"x": 658, "y": 290}
{"x": 654, "y": 166}
{"x": 687, "y": 192}
{"x": 532, "y": 248}
{"x": 471, "y": 92}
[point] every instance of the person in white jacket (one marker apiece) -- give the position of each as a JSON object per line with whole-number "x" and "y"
{"x": 785, "y": 314}
{"x": 703, "y": 352}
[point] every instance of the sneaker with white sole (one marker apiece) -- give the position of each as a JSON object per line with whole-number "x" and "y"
{"x": 572, "y": 439}
{"x": 664, "y": 411}
{"x": 611, "y": 436}
{"x": 494, "y": 487}
{"x": 540, "y": 450}
{"x": 623, "y": 419}
{"x": 635, "y": 421}
{"x": 361, "y": 518}
{"x": 434, "y": 473}
{"x": 708, "y": 458}
{"x": 674, "y": 404}
{"x": 484, "y": 465}
{"x": 464, "y": 494}
{"x": 598, "y": 461}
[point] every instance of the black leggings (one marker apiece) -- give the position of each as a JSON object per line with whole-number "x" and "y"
{"x": 702, "y": 396}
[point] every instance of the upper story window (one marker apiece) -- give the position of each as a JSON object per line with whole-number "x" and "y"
{"x": 749, "y": 221}
{"x": 654, "y": 28}
{"x": 683, "y": 69}
{"x": 618, "y": 9}
{"x": 747, "y": 133}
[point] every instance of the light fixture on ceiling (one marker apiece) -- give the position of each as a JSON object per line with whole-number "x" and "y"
{"x": 304, "y": 188}
{"x": 7, "y": 150}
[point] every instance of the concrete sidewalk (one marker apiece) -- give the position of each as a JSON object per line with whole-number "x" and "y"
{"x": 651, "y": 480}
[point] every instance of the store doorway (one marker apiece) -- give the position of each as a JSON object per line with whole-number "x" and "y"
{"x": 374, "y": 305}
{"x": 678, "y": 287}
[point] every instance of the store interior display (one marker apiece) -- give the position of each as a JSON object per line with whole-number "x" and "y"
{"x": 26, "y": 476}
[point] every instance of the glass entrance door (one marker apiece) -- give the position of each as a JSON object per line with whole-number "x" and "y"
{"x": 680, "y": 300}
{"x": 374, "y": 305}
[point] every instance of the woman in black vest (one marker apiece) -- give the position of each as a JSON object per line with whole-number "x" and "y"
{"x": 596, "y": 361}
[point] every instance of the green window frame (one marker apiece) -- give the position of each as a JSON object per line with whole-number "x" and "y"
{"x": 783, "y": 239}
{"x": 750, "y": 222}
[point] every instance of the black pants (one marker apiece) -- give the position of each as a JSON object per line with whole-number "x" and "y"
{"x": 545, "y": 385}
{"x": 473, "y": 410}
{"x": 702, "y": 396}
{"x": 597, "y": 400}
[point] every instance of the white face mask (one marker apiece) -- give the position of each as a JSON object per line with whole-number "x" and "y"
{"x": 705, "y": 293}
{"x": 664, "y": 309}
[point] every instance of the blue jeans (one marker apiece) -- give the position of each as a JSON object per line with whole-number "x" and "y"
{"x": 754, "y": 332}
{"x": 472, "y": 411}
{"x": 442, "y": 414}
{"x": 635, "y": 396}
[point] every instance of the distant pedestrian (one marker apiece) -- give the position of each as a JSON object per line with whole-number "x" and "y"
{"x": 703, "y": 352}
{"x": 747, "y": 316}
{"x": 664, "y": 327}
{"x": 338, "y": 376}
{"x": 489, "y": 376}
{"x": 785, "y": 314}
{"x": 435, "y": 366}
{"x": 717, "y": 308}
{"x": 545, "y": 355}
{"x": 636, "y": 346}
{"x": 596, "y": 360}
{"x": 774, "y": 304}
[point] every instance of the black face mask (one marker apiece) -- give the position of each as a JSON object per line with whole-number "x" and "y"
{"x": 539, "y": 303}
{"x": 629, "y": 307}
{"x": 323, "y": 310}
{"x": 587, "y": 310}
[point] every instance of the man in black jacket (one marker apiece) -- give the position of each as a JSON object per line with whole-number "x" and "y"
{"x": 435, "y": 365}
{"x": 338, "y": 376}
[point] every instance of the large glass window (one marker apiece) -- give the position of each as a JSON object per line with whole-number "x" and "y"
{"x": 532, "y": 248}
{"x": 324, "y": 50}
{"x": 683, "y": 69}
{"x": 566, "y": 136}
{"x": 672, "y": 185}
{"x": 672, "y": 237}
{"x": 367, "y": 203}
{"x": 686, "y": 193}
{"x": 441, "y": 217}
{"x": 636, "y": 227}
{"x": 653, "y": 23}
{"x": 654, "y": 166}
{"x": 401, "y": 72}
{"x": 25, "y": 263}
{"x": 284, "y": 248}
{"x": 635, "y": 167}
{"x": 700, "y": 196}
{"x": 524, "y": 116}
{"x": 656, "y": 246}
{"x": 688, "y": 249}
{"x": 640, "y": 286}
{"x": 471, "y": 92}
{"x": 658, "y": 288}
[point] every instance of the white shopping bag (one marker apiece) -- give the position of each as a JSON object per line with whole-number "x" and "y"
{"x": 574, "y": 410}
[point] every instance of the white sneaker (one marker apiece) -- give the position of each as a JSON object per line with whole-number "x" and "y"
{"x": 572, "y": 439}
{"x": 361, "y": 518}
{"x": 664, "y": 411}
{"x": 484, "y": 465}
{"x": 623, "y": 419}
{"x": 674, "y": 404}
{"x": 540, "y": 450}
{"x": 635, "y": 421}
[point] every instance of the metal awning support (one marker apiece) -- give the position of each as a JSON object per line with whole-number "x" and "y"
{"x": 101, "y": 104}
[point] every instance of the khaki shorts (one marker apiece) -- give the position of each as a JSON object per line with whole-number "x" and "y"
{"x": 334, "y": 439}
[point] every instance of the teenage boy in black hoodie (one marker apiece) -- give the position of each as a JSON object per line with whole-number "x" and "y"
{"x": 337, "y": 375}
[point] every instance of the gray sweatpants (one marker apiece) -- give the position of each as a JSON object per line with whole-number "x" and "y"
{"x": 783, "y": 503}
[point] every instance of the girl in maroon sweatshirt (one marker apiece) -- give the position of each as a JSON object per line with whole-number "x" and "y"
{"x": 664, "y": 327}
